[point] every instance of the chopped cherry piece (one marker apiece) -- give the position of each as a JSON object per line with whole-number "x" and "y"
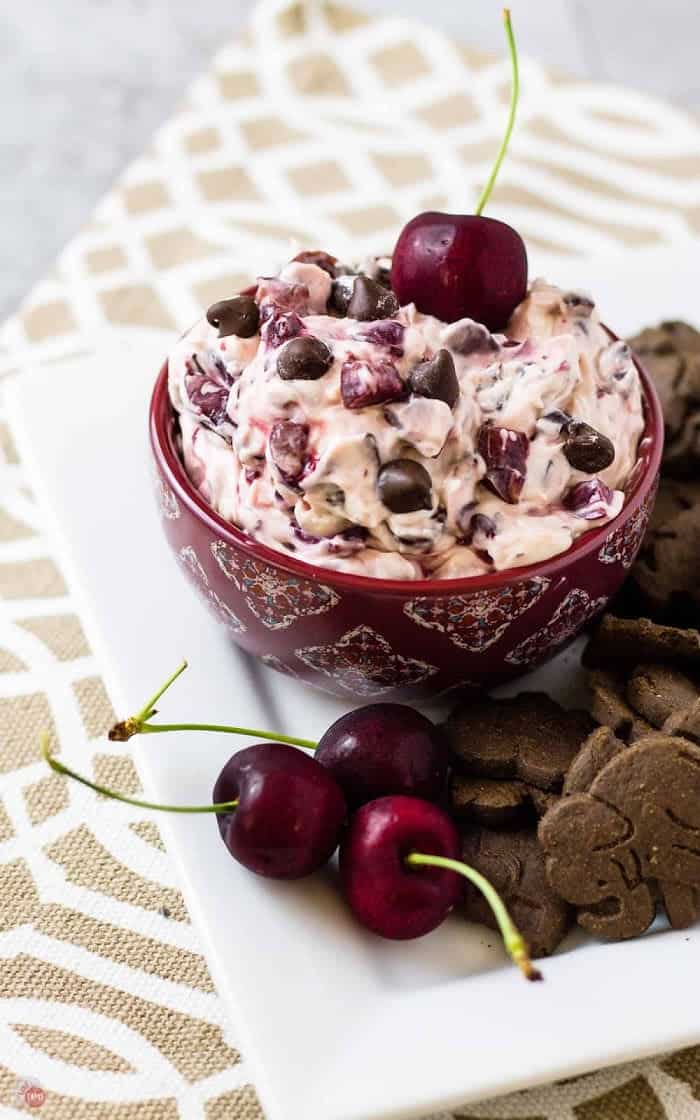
{"x": 208, "y": 389}
{"x": 288, "y": 443}
{"x": 281, "y": 295}
{"x": 385, "y": 332}
{"x": 589, "y": 500}
{"x": 364, "y": 383}
{"x": 505, "y": 453}
{"x": 280, "y": 328}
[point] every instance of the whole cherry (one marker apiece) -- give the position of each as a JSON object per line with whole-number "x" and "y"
{"x": 456, "y": 266}
{"x": 280, "y": 813}
{"x": 383, "y": 749}
{"x": 400, "y": 873}
{"x": 289, "y": 811}
{"x": 389, "y": 896}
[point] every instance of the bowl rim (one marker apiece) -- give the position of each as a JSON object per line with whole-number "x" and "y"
{"x": 162, "y": 413}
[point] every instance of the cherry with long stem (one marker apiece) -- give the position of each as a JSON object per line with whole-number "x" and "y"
{"x": 60, "y": 768}
{"x": 139, "y": 724}
{"x": 513, "y": 940}
{"x": 514, "y": 97}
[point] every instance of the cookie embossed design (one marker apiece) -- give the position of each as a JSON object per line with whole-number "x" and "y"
{"x": 277, "y": 600}
{"x": 190, "y": 561}
{"x": 365, "y": 663}
{"x": 634, "y": 835}
{"x": 477, "y": 621}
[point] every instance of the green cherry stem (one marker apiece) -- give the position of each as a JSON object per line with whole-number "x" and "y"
{"x": 60, "y": 768}
{"x": 139, "y": 725}
{"x": 512, "y": 938}
{"x": 514, "y": 95}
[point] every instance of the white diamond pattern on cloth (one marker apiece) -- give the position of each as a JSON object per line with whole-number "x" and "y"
{"x": 254, "y": 160}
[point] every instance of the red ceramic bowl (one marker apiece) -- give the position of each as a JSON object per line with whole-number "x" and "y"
{"x": 364, "y": 638}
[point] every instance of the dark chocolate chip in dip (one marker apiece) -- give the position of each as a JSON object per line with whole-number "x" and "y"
{"x": 304, "y": 359}
{"x": 341, "y": 291}
{"x": 436, "y": 379}
{"x": 370, "y": 300}
{"x": 404, "y": 486}
{"x": 586, "y": 449}
{"x": 239, "y": 316}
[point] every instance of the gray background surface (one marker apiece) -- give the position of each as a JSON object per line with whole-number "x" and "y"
{"x": 83, "y": 84}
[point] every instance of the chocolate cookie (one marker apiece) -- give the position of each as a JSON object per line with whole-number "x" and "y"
{"x": 528, "y": 736}
{"x": 514, "y": 863}
{"x": 685, "y": 722}
{"x": 599, "y": 748}
{"x": 608, "y": 704}
{"x": 633, "y": 835}
{"x": 490, "y": 802}
{"x": 658, "y": 691}
{"x": 497, "y": 802}
{"x": 673, "y": 496}
{"x": 628, "y": 641}
{"x": 666, "y": 572}
{"x": 671, "y": 354}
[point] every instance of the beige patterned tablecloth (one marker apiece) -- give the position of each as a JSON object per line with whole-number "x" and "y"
{"x": 329, "y": 129}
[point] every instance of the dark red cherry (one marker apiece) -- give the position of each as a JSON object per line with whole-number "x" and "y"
{"x": 385, "y": 893}
{"x": 289, "y": 815}
{"x": 457, "y": 266}
{"x": 383, "y": 749}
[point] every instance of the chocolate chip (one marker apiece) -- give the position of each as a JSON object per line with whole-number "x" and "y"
{"x": 304, "y": 359}
{"x": 341, "y": 291}
{"x": 319, "y": 258}
{"x": 436, "y": 379}
{"x": 370, "y": 300}
{"x": 586, "y": 449}
{"x": 239, "y": 316}
{"x": 404, "y": 486}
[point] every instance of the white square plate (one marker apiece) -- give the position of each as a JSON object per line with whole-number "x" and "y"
{"x": 338, "y": 1025}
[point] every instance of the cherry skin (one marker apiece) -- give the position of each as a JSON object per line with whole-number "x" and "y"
{"x": 383, "y": 749}
{"x": 387, "y": 895}
{"x": 457, "y": 266}
{"x": 290, "y": 811}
